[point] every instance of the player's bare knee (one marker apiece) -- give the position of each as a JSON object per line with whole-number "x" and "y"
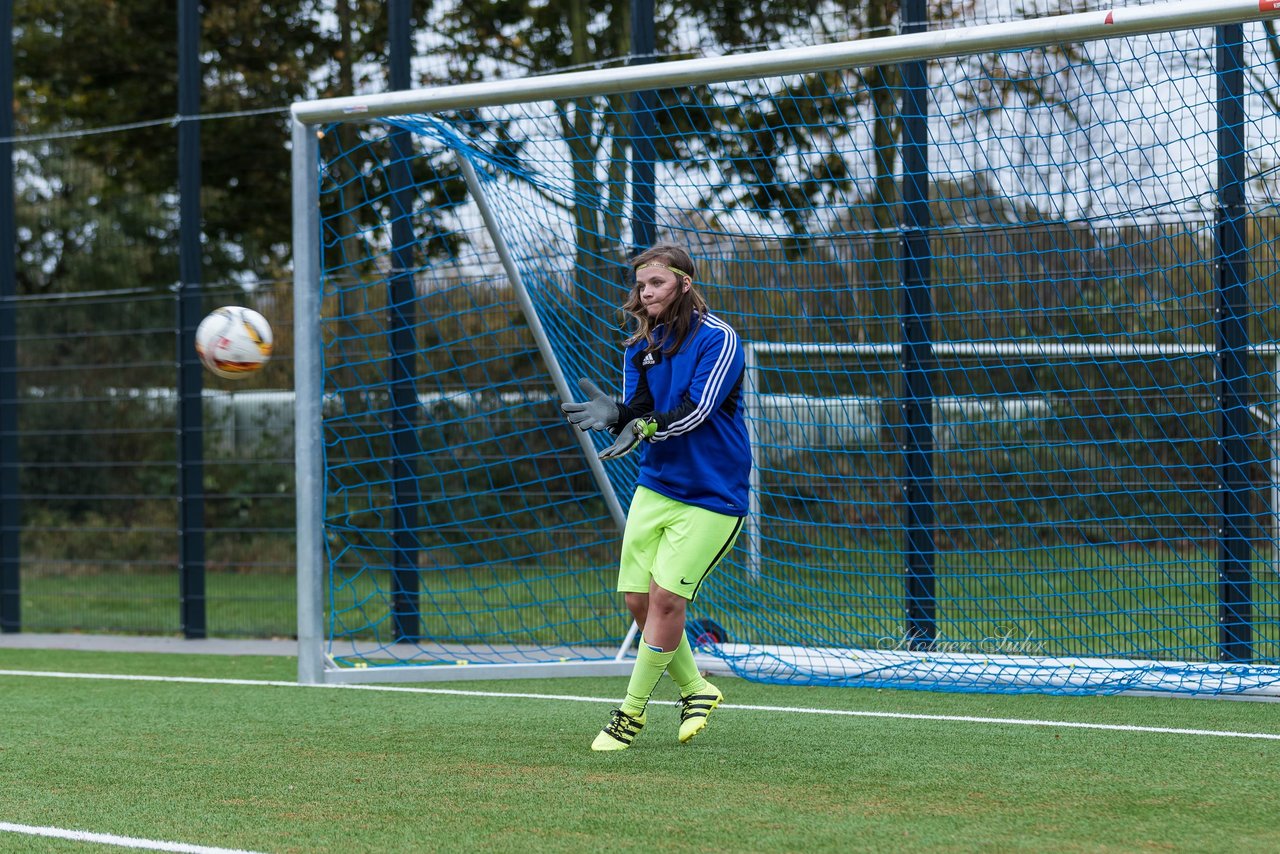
{"x": 638, "y": 605}
{"x": 665, "y": 605}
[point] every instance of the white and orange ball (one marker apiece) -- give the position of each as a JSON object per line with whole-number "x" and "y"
{"x": 234, "y": 342}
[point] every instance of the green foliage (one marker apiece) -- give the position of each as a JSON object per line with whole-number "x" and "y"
{"x": 80, "y": 67}
{"x": 74, "y": 465}
{"x": 83, "y": 228}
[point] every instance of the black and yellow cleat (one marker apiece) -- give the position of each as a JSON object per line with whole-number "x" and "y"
{"x": 621, "y": 730}
{"x": 694, "y": 710}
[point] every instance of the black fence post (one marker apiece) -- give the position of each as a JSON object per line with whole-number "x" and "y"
{"x": 918, "y": 361}
{"x": 1235, "y": 596}
{"x": 190, "y": 309}
{"x": 10, "y": 499}
{"x": 644, "y": 226}
{"x": 403, "y": 351}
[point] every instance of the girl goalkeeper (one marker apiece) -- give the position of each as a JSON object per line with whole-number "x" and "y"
{"x": 682, "y": 410}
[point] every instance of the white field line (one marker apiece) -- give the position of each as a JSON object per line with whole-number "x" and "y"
{"x": 112, "y": 839}
{"x": 1215, "y": 733}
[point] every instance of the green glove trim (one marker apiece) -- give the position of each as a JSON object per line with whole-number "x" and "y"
{"x": 637, "y": 430}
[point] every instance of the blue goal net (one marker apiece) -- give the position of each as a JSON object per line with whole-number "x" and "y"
{"x": 1012, "y": 362}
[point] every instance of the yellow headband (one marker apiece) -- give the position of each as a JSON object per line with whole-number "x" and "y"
{"x": 675, "y": 270}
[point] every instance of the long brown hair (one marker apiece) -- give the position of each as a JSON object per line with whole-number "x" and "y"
{"x": 681, "y": 317}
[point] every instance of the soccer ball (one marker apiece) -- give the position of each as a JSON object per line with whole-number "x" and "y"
{"x": 234, "y": 342}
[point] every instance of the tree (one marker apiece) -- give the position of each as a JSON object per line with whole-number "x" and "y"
{"x": 769, "y": 163}
{"x": 80, "y": 67}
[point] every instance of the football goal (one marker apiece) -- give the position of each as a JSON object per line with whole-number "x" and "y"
{"x": 1007, "y": 298}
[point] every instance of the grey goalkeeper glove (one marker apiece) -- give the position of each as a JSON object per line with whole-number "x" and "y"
{"x": 636, "y": 431}
{"x": 598, "y": 413}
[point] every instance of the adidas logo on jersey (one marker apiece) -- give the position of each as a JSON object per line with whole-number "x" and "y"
{"x": 648, "y": 360}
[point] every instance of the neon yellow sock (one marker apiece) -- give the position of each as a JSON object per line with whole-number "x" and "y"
{"x": 650, "y": 665}
{"x": 684, "y": 670}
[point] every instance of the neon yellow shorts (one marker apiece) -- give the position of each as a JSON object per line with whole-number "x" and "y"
{"x": 675, "y": 545}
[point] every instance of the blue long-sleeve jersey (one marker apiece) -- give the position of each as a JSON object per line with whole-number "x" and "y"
{"x": 700, "y": 454}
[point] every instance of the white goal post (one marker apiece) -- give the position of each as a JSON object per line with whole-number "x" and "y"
{"x": 1013, "y": 35}
{"x": 419, "y": 657}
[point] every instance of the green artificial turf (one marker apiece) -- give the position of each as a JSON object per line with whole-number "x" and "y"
{"x": 305, "y": 769}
